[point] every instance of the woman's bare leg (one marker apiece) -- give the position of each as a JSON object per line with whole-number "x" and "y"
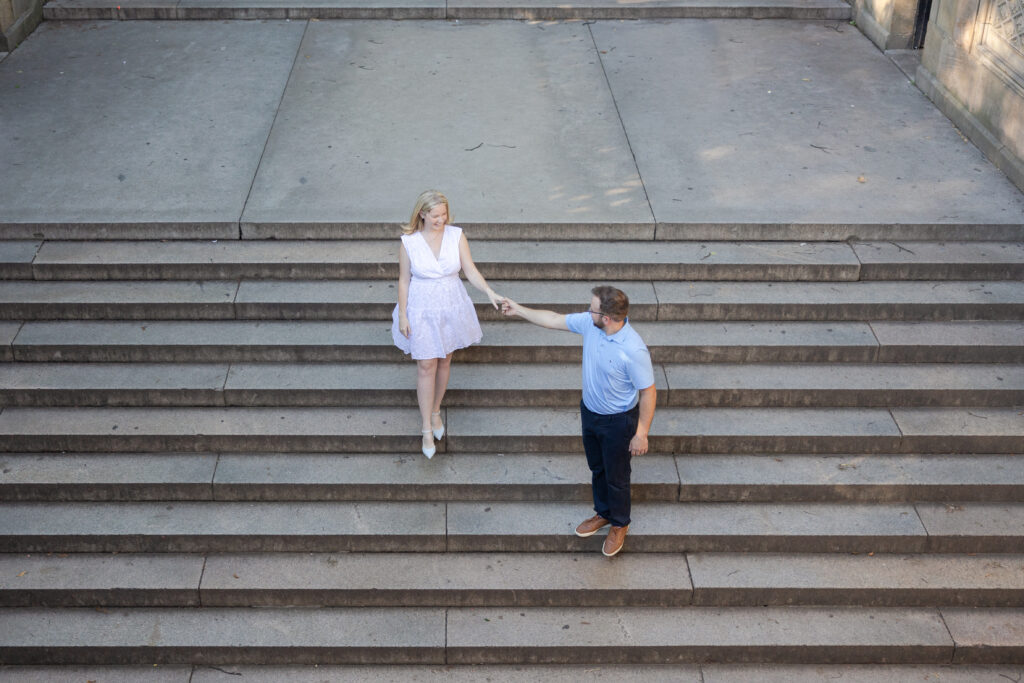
{"x": 426, "y": 370}
{"x": 444, "y": 368}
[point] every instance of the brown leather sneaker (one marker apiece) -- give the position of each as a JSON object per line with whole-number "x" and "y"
{"x": 590, "y": 526}
{"x": 616, "y": 537}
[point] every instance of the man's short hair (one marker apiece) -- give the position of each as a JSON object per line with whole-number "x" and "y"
{"x": 614, "y": 302}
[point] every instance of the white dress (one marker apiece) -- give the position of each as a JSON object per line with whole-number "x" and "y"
{"x": 441, "y": 314}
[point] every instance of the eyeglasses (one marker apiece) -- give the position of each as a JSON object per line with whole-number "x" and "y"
{"x": 599, "y": 313}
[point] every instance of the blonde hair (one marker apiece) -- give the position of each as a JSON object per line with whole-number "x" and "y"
{"x": 425, "y": 202}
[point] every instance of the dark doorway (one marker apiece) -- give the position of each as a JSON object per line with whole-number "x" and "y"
{"x": 924, "y": 8}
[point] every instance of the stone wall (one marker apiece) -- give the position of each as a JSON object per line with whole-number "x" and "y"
{"x": 973, "y": 69}
{"x": 888, "y": 23}
{"x": 18, "y": 18}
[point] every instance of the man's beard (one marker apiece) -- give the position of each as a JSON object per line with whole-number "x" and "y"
{"x": 599, "y": 323}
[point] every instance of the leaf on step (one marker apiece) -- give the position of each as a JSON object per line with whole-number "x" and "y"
{"x": 22, "y": 574}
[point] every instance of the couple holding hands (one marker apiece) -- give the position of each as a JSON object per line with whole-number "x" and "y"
{"x": 435, "y": 317}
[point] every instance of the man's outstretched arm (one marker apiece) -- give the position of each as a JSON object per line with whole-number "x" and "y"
{"x": 549, "y": 319}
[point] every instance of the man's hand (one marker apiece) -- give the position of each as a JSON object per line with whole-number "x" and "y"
{"x": 638, "y": 444}
{"x": 508, "y": 307}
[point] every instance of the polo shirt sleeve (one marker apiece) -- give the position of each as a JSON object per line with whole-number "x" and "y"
{"x": 577, "y": 322}
{"x": 640, "y": 369}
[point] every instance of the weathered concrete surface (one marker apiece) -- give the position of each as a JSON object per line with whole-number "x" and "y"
{"x": 351, "y": 429}
{"x": 323, "y": 9}
{"x": 863, "y": 580}
{"x": 72, "y": 580}
{"x": 998, "y": 300}
{"x": 476, "y": 384}
{"x": 16, "y": 259}
{"x": 503, "y": 342}
{"x": 434, "y": 9}
{"x": 458, "y": 674}
{"x": 195, "y": 341}
{"x": 797, "y": 123}
{"x": 378, "y": 259}
{"x": 8, "y": 331}
{"x": 334, "y": 476}
{"x": 846, "y": 384}
{"x": 795, "y": 634}
{"x": 869, "y": 673}
{"x": 876, "y": 477}
{"x": 169, "y": 123}
{"x": 940, "y": 260}
{"x": 647, "y": 9}
{"x": 978, "y": 527}
{"x": 107, "y": 674}
{"x": 986, "y": 636}
{"x": 167, "y": 636}
{"x": 694, "y": 527}
{"x": 684, "y": 430}
{"x": 209, "y": 300}
{"x": 950, "y": 342}
{"x": 110, "y": 384}
{"x": 444, "y": 580}
{"x": 221, "y": 527}
{"x": 576, "y": 177}
{"x": 961, "y": 430}
{"x": 106, "y": 476}
{"x": 358, "y": 151}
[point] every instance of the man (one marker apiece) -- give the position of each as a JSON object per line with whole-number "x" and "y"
{"x": 617, "y": 406}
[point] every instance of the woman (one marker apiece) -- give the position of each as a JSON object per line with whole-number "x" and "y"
{"x": 434, "y": 315}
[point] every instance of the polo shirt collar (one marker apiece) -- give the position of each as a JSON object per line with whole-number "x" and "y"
{"x": 618, "y": 337}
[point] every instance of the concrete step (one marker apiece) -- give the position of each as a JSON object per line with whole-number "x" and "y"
{"x": 515, "y": 260}
{"x": 511, "y": 342}
{"x": 530, "y": 230}
{"x": 564, "y": 673}
{"x": 509, "y": 580}
{"x": 531, "y": 526}
{"x": 595, "y": 636}
{"x": 519, "y": 477}
{"x": 506, "y": 430}
{"x": 486, "y": 384}
{"x": 375, "y": 299}
{"x": 508, "y": 260}
{"x": 906, "y": 260}
{"x": 454, "y": 10}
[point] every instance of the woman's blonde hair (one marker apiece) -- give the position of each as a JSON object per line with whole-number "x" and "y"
{"x": 425, "y": 202}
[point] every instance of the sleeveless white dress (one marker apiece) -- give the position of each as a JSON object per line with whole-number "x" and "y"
{"x": 441, "y": 314}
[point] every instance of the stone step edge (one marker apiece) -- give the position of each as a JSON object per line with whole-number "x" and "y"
{"x": 786, "y": 232}
{"x": 521, "y": 673}
{"x": 128, "y": 392}
{"x": 658, "y": 478}
{"x": 779, "y": 635}
{"x": 748, "y": 9}
{"x": 188, "y": 580}
{"x": 415, "y": 527}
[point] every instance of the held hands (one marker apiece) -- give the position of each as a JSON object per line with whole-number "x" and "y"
{"x": 496, "y": 299}
{"x": 638, "y": 444}
{"x": 508, "y": 307}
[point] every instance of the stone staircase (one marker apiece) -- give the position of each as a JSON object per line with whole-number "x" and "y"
{"x": 193, "y": 429}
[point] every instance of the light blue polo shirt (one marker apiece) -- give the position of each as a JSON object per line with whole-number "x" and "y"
{"x": 615, "y": 367}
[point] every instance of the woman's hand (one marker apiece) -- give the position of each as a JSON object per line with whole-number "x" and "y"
{"x": 403, "y": 325}
{"x": 496, "y": 299}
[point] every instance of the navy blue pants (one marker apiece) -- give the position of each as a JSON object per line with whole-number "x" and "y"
{"x": 606, "y": 442}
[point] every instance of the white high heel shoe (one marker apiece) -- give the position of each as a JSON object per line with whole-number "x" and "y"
{"x": 429, "y": 452}
{"x": 439, "y": 431}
